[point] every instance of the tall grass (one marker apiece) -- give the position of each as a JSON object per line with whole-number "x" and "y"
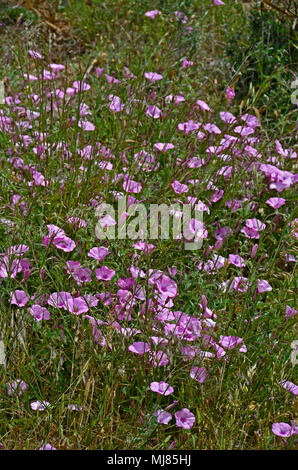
{"x": 52, "y": 170}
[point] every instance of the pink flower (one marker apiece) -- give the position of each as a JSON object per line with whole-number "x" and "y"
{"x": 78, "y": 306}
{"x": 250, "y": 232}
{"x": 17, "y": 250}
{"x": 106, "y": 221}
{"x": 240, "y": 284}
{"x": 254, "y": 250}
{"x": 229, "y": 342}
{"x": 230, "y": 93}
{"x": 244, "y": 131}
{"x": 47, "y": 75}
{"x": 203, "y": 105}
{"x": 201, "y": 207}
{"x": 218, "y": 2}
{"x": 166, "y": 286}
{"x": 158, "y": 358}
{"x": 282, "y": 429}
{"x": 290, "y": 312}
{"x": 163, "y": 147}
{"x": 99, "y": 71}
{"x": 47, "y": 447}
{"x": 104, "y": 273}
{"x": 263, "y": 286}
{"x": 143, "y": 246}
{"x": 196, "y": 230}
{"x": 132, "y": 186}
{"x": 217, "y": 195}
{"x": 276, "y": 202}
{"x": 81, "y": 86}
{"x": 16, "y": 387}
{"x": 111, "y": 80}
{"x": 64, "y": 243}
{"x": 98, "y": 253}
{"x": 222, "y": 232}
{"x": 290, "y": 258}
{"x": 61, "y": 300}
{"x": 35, "y": 54}
{"x": 39, "y": 405}
{"x": 74, "y": 407}
{"x": 115, "y": 104}
{"x": 185, "y": 419}
{"x": 80, "y": 223}
{"x": 97, "y": 334}
{"x": 186, "y": 63}
{"x": 30, "y": 77}
{"x": 212, "y": 128}
{"x": 199, "y": 374}
{"x": 55, "y": 231}
{"x": 180, "y": 16}
{"x": 250, "y": 120}
{"x": 153, "y": 111}
{"x": 19, "y": 298}
{"x": 39, "y": 179}
{"x": 289, "y": 386}
{"x": 161, "y": 387}
{"x": 236, "y": 260}
{"x": 227, "y": 117}
{"x": 128, "y": 73}
{"x": 86, "y": 125}
{"x": 179, "y": 188}
{"x": 152, "y": 13}
{"x": 284, "y": 152}
{"x": 139, "y": 347}
{"x": 57, "y": 67}
{"x": 188, "y": 126}
{"x": 163, "y": 417}
{"x": 153, "y": 77}
{"x": 39, "y": 313}
{"x": 201, "y": 135}
{"x": 252, "y": 228}
{"x": 174, "y": 99}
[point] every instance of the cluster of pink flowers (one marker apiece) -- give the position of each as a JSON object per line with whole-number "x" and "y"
{"x": 132, "y": 295}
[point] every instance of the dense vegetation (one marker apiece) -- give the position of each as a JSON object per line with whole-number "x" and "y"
{"x": 139, "y": 343}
